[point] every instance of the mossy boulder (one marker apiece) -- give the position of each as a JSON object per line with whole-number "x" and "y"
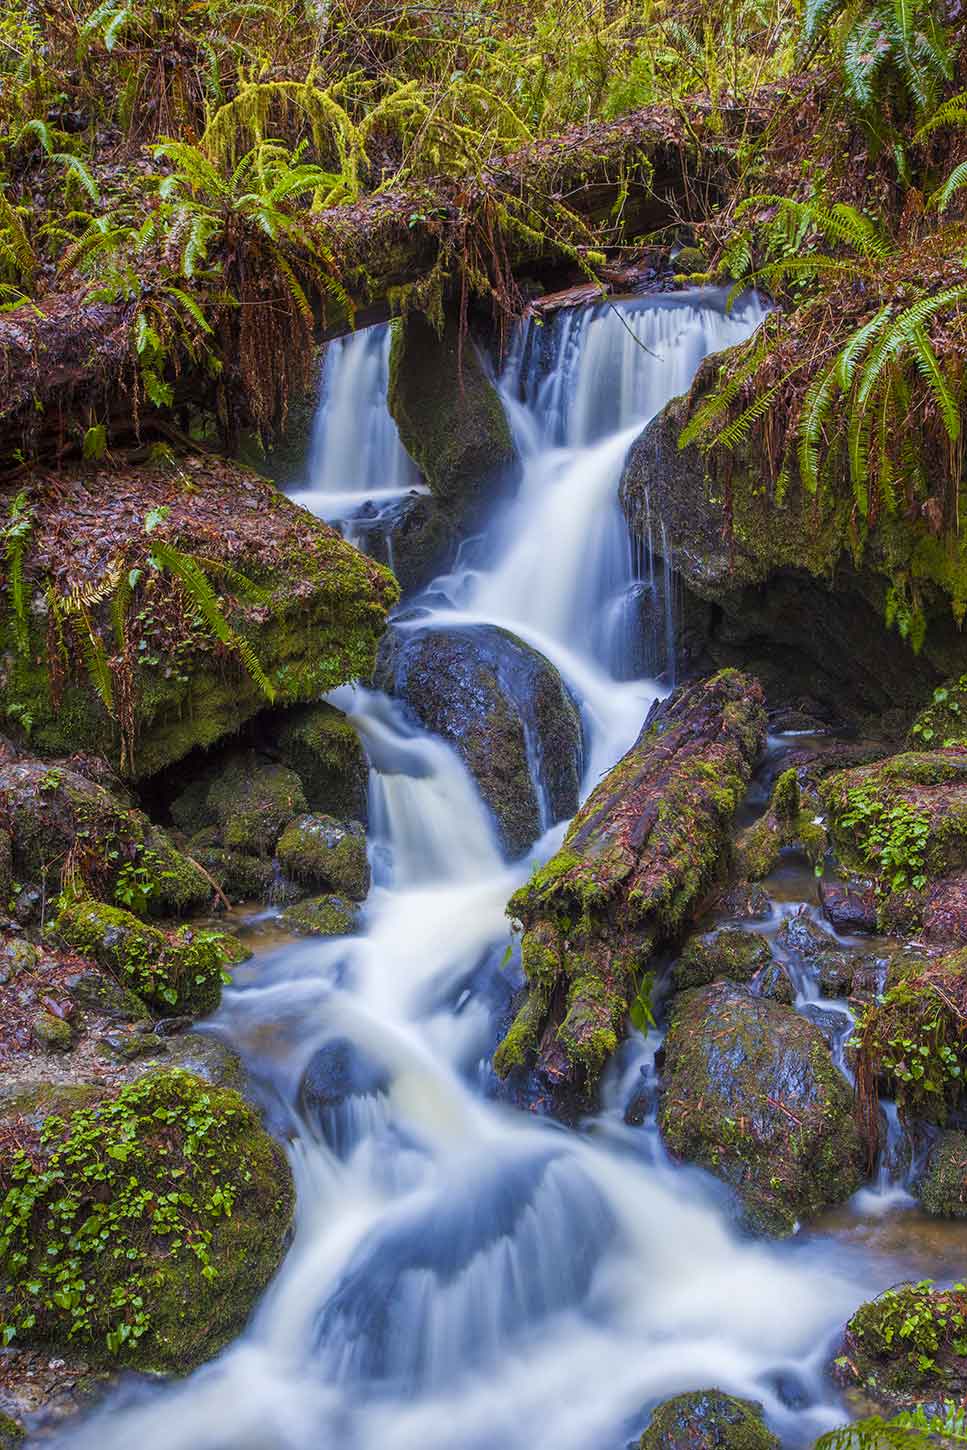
{"x": 789, "y": 819}
{"x": 249, "y": 800}
{"x": 942, "y": 1190}
{"x": 635, "y": 863}
{"x": 908, "y": 1347}
{"x": 327, "y": 853}
{"x": 321, "y": 916}
{"x": 505, "y": 710}
{"x": 750, "y": 1092}
{"x": 902, "y": 820}
{"x": 241, "y": 877}
{"x": 60, "y": 821}
{"x": 12, "y": 1433}
{"x": 416, "y": 537}
{"x": 307, "y": 607}
{"x": 170, "y": 971}
{"x": 141, "y": 1228}
{"x": 449, "y": 415}
{"x": 730, "y": 953}
{"x": 321, "y": 745}
{"x": 708, "y": 1420}
{"x": 944, "y": 721}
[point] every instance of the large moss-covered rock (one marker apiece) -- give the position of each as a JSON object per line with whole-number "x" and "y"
{"x": 241, "y": 877}
{"x": 61, "y": 822}
{"x": 634, "y": 864}
{"x": 326, "y": 853}
{"x": 506, "y": 711}
{"x": 791, "y": 604}
{"x": 944, "y": 720}
{"x": 312, "y": 618}
{"x": 141, "y": 1228}
{"x": 321, "y": 916}
{"x": 249, "y": 800}
{"x": 908, "y": 1347}
{"x": 942, "y": 1190}
{"x": 321, "y": 745}
{"x": 750, "y": 1092}
{"x": 708, "y": 1420}
{"x": 449, "y": 415}
{"x": 731, "y": 953}
{"x": 169, "y": 970}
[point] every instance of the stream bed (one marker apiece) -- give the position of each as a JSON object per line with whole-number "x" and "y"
{"x": 465, "y": 1274}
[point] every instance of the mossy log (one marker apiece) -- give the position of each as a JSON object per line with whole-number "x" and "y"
{"x": 634, "y": 864}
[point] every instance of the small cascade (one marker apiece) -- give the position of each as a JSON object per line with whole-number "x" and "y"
{"x": 357, "y": 468}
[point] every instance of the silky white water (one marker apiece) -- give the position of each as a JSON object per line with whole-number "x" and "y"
{"x": 463, "y": 1274}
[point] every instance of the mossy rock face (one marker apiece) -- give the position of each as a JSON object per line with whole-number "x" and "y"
{"x": 735, "y": 954}
{"x": 52, "y": 812}
{"x": 902, "y": 820}
{"x": 97, "y": 992}
{"x": 944, "y": 721}
{"x": 12, "y": 1433}
{"x": 416, "y": 537}
{"x": 169, "y": 970}
{"x": 242, "y": 877}
{"x": 312, "y": 622}
{"x": 449, "y": 415}
{"x": 505, "y": 710}
{"x": 942, "y": 1190}
{"x": 321, "y": 916}
{"x": 248, "y": 799}
{"x": 908, "y": 1347}
{"x": 325, "y": 852}
{"x": 637, "y": 859}
{"x": 750, "y": 1092}
{"x": 788, "y": 820}
{"x": 321, "y": 745}
{"x": 708, "y": 1420}
{"x": 177, "y": 1204}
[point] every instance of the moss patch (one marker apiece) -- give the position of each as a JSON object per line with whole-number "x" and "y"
{"x": 943, "y": 1189}
{"x": 142, "y": 1228}
{"x": 323, "y": 852}
{"x": 908, "y": 1346}
{"x": 708, "y": 1420}
{"x": 321, "y": 916}
{"x": 735, "y": 954}
{"x": 321, "y": 745}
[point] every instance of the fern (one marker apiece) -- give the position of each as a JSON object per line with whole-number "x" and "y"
{"x": 943, "y": 196}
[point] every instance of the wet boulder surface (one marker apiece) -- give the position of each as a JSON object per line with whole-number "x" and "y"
{"x": 505, "y": 710}
{"x": 750, "y": 1092}
{"x": 635, "y": 864}
{"x": 326, "y": 853}
{"x": 708, "y": 1420}
{"x": 942, "y": 1190}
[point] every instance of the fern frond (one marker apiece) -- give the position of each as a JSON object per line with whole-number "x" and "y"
{"x": 941, "y": 198}
{"x": 929, "y": 368}
{"x": 812, "y": 419}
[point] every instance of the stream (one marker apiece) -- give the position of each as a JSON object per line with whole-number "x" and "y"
{"x": 465, "y": 1275}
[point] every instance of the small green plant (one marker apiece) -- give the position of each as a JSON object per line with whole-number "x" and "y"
{"x": 914, "y": 1036}
{"x": 892, "y": 836}
{"x": 20, "y": 522}
{"x": 641, "y": 1013}
{"x": 136, "y": 884}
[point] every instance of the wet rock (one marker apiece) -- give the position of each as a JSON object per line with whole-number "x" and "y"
{"x": 52, "y": 1032}
{"x": 789, "y": 819}
{"x": 103, "y": 994}
{"x": 51, "y": 808}
{"x": 904, "y": 1349}
{"x": 206, "y": 1057}
{"x": 338, "y": 1084}
{"x": 166, "y": 1133}
{"x": 833, "y": 1025}
{"x": 849, "y": 908}
{"x": 506, "y": 711}
{"x": 128, "y": 1046}
{"x": 749, "y": 1091}
{"x": 708, "y": 1420}
{"x": 449, "y": 415}
{"x": 738, "y": 955}
{"x": 635, "y": 863}
{"x": 814, "y": 951}
{"x": 324, "y": 852}
{"x": 742, "y": 901}
{"x": 321, "y": 916}
{"x": 773, "y": 981}
{"x": 416, "y": 537}
{"x": 165, "y": 969}
{"x": 248, "y": 799}
{"x": 945, "y": 911}
{"x": 321, "y": 745}
{"x": 16, "y": 956}
{"x": 942, "y": 1190}
{"x": 28, "y": 906}
{"x": 944, "y": 720}
{"x": 241, "y": 877}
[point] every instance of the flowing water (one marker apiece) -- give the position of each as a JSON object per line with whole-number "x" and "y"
{"x": 465, "y": 1276}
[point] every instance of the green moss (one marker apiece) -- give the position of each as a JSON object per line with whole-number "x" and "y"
{"x": 12, "y": 1433}
{"x": 521, "y": 1039}
{"x": 251, "y": 801}
{"x": 142, "y": 1228}
{"x": 321, "y": 916}
{"x": 735, "y": 954}
{"x": 944, "y": 720}
{"x": 708, "y": 1420}
{"x": 244, "y": 878}
{"x": 52, "y": 1032}
{"x": 449, "y": 415}
{"x": 323, "y": 748}
{"x": 170, "y": 971}
{"x": 943, "y": 1189}
{"x": 789, "y": 819}
{"x": 594, "y": 1018}
{"x": 910, "y": 1344}
{"x": 326, "y": 853}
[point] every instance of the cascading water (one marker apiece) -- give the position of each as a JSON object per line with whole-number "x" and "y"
{"x": 464, "y": 1276}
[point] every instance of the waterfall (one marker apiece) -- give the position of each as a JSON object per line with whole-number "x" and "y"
{"x": 464, "y": 1276}
{"x": 357, "y": 467}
